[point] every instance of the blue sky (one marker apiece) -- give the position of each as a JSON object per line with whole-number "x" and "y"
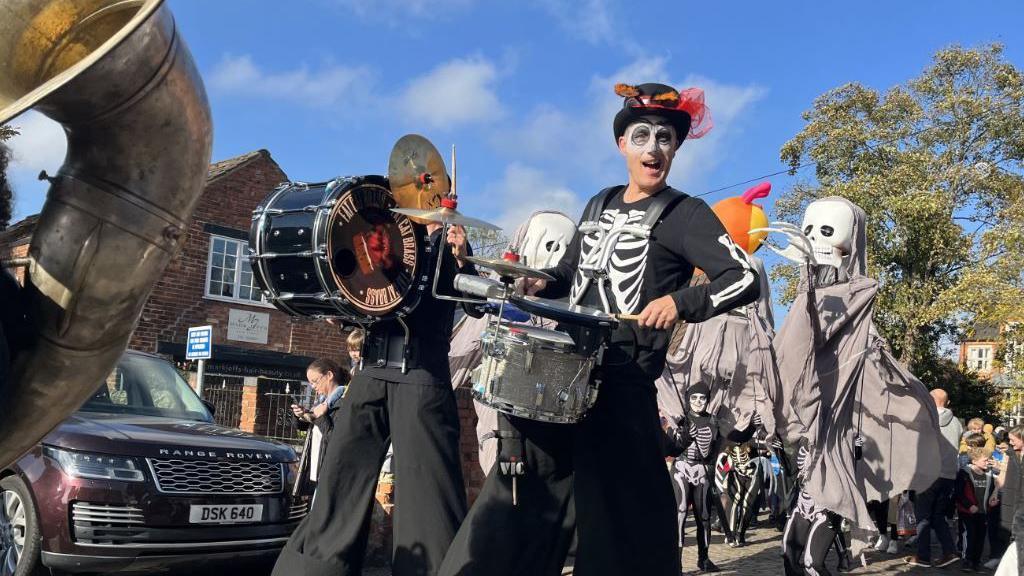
{"x": 525, "y": 88}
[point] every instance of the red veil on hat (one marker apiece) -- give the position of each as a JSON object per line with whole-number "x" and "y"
{"x": 684, "y": 109}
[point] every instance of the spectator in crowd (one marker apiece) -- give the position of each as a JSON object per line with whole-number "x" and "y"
{"x": 931, "y": 504}
{"x": 354, "y": 342}
{"x": 329, "y": 380}
{"x": 974, "y": 487}
{"x": 888, "y": 536}
{"x": 990, "y": 439}
{"x": 974, "y": 426}
{"x": 1009, "y": 482}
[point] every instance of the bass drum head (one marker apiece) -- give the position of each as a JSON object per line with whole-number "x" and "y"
{"x": 376, "y": 257}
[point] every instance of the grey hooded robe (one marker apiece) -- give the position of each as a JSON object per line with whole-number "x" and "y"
{"x": 839, "y": 378}
{"x": 732, "y": 354}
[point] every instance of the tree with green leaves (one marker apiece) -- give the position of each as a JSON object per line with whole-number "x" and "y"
{"x": 937, "y": 165}
{"x": 6, "y": 194}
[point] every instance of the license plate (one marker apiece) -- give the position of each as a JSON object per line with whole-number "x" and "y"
{"x": 225, "y": 513}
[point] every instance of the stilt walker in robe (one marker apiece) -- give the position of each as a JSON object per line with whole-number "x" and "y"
{"x": 841, "y": 394}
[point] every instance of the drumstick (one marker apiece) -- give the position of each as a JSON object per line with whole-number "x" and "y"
{"x": 632, "y": 317}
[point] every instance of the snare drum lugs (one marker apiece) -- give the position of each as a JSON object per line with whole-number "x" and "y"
{"x": 335, "y": 249}
{"x": 534, "y": 373}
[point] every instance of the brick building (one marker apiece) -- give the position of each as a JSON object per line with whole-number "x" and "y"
{"x": 259, "y": 353}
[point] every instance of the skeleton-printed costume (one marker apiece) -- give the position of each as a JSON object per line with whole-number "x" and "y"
{"x": 540, "y": 242}
{"x": 844, "y": 392}
{"x": 810, "y": 532}
{"x": 694, "y": 438}
{"x": 740, "y": 473}
{"x": 611, "y": 464}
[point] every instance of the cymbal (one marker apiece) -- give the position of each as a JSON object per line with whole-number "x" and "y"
{"x": 445, "y": 216}
{"x": 511, "y": 269}
{"x": 417, "y": 174}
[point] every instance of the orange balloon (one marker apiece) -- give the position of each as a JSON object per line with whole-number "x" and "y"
{"x": 739, "y": 215}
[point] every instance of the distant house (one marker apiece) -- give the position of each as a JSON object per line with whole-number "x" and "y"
{"x": 978, "y": 350}
{"x": 978, "y": 353}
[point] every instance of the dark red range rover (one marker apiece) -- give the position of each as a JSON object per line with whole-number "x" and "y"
{"x": 141, "y": 479}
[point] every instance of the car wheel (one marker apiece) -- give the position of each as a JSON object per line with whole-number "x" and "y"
{"x": 19, "y": 530}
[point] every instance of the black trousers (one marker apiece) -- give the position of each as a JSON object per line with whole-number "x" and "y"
{"x": 430, "y": 498}
{"x": 611, "y": 465}
{"x": 806, "y": 543}
{"x": 880, "y": 514}
{"x": 974, "y": 533}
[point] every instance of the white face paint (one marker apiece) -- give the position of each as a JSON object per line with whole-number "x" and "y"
{"x": 829, "y": 226}
{"x": 649, "y": 145}
{"x": 698, "y": 402}
{"x": 546, "y": 239}
{"x": 651, "y": 135}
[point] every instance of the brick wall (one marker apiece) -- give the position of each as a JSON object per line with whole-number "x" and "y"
{"x": 468, "y": 446}
{"x": 178, "y": 301}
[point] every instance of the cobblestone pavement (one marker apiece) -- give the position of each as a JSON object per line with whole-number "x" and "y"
{"x": 761, "y": 557}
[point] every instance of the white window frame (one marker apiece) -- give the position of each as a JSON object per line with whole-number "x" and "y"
{"x": 243, "y": 247}
{"x": 979, "y": 357}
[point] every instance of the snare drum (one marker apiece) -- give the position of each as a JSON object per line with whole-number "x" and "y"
{"x": 335, "y": 249}
{"x": 534, "y": 373}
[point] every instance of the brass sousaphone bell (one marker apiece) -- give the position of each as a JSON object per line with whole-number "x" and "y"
{"x": 119, "y": 78}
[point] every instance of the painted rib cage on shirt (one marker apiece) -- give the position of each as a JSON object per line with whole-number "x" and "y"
{"x": 628, "y": 263}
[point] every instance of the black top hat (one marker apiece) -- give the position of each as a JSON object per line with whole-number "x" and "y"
{"x": 698, "y": 388}
{"x": 684, "y": 110}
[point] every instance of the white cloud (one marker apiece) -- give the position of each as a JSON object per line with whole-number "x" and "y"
{"x": 456, "y": 92}
{"x": 524, "y": 190}
{"x": 579, "y": 140}
{"x": 41, "y": 145}
{"x": 239, "y": 75}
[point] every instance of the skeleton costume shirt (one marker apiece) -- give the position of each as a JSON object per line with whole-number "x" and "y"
{"x": 687, "y": 235}
{"x": 694, "y": 438}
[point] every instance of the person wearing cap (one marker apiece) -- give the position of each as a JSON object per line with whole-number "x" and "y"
{"x": 608, "y": 469}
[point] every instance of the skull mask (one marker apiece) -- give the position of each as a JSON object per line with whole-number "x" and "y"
{"x": 546, "y": 239}
{"x": 698, "y": 402}
{"x": 828, "y": 224}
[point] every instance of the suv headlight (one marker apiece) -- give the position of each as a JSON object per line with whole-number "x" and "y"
{"x": 101, "y": 466}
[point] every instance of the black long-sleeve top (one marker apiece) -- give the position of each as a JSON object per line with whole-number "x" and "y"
{"x": 430, "y": 324}
{"x": 688, "y": 235}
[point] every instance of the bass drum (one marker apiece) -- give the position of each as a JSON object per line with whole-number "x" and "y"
{"x": 335, "y": 249}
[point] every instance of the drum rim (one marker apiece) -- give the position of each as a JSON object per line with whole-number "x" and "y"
{"x": 260, "y": 241}
{"x": 399, "y": 308}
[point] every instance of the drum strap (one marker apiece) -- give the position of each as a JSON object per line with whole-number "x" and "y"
{"x": 661, "y": 202}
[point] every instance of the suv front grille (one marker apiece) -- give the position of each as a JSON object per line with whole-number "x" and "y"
{"x": 298, "y": 509}
{"x": 174, "y": 476}
{"x": 105, "y": 524}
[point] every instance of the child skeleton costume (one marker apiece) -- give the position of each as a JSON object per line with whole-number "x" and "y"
{"x": 693, "y": 438}
{"x": 611, "y": 463}
{"x": 844, "y": 397}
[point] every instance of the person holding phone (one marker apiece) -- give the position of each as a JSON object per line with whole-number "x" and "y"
{"x": 329, "y": 380}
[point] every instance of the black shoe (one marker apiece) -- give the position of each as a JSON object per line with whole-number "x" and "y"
{"x": 706, "y": 565}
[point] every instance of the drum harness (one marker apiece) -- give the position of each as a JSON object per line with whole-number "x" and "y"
{"x": 593, "y": 266}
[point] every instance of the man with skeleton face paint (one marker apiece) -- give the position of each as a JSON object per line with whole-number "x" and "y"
{"x": 634, "y": 252}
{"x": 693, "y": 439}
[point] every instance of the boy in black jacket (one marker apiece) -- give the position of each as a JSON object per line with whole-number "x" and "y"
{"x": 973, "y": 488}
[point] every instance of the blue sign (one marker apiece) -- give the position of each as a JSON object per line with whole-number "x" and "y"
{"x": 200, "y": 343}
